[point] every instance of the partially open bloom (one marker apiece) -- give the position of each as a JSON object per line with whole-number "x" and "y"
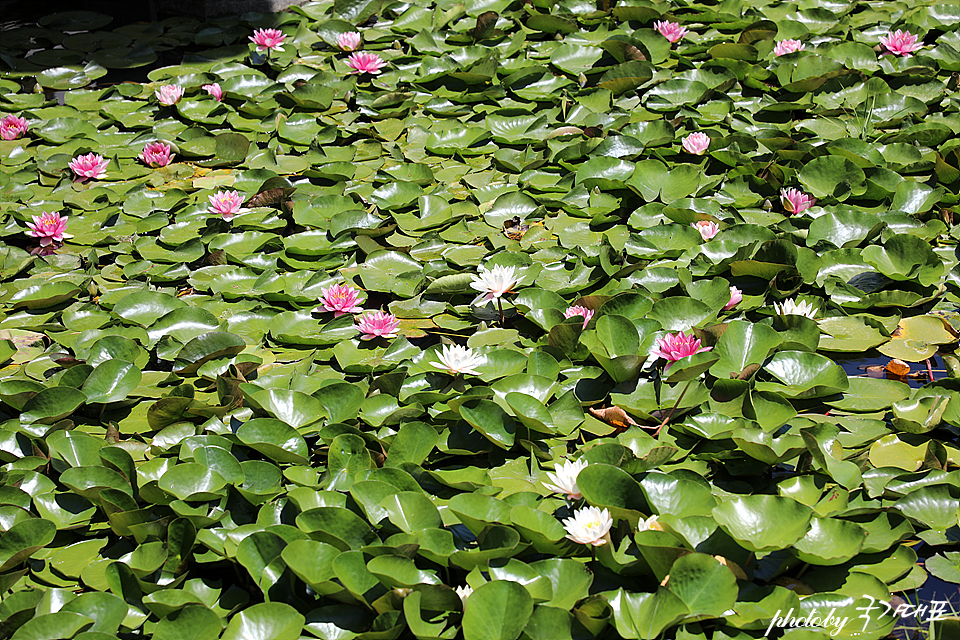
{"x": 674, "y": 346}
{"x": 464, "y": 592}
{"x": 901, "y": 43}
{"x": 157, "y": 154}
{"x": 706, "y": 228}
{"x": 89, "y": 166}
{"x": 650, "y": 524}
{"x": 378, "y": 324}
{"x": 493, "y": 283}
{"x": 564, "y": 479}
{"x": 169, "y": 94}
{"x": 696, "y": 143}
{"x": 348, "y": 41}
{"x": 589, "y": 526}
{"x": 214, "y": 90}
{"x": 341, "y": 299}
{"x": 12, "y": 127}
{"x": 49, "y": 227}
{"x": 796, "y": 201}
{"x": 792, "y": 307}
{"x": 226, "y": 204}
{"x": 672, "y": 31}
{"x": 579, "y": 311}
{"x": 365, "y": 63}
{"x": 456, "y": 359}
{"x": 268, "y": 39}
{"x": 787, "y": 46}
{"x": 736, "y": 296}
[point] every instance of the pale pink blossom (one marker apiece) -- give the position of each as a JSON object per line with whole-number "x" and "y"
{"x": 564, "y": 478}
{"x": 589, "y": 525}
{"x": 672, "y": 31}
{"x": 49, "y": 227}
{"x": 365, "y": 63}
{"x": 378, "y": 324}
{"x": 696, "y": 143}
{"x": 214, "y": 90}
{"x": 577, "y": 310}
{"x": 736, "y": 297}
{"x": 348, "y": 41}
{"x": 226, "y": 204}
{"x": 341, "y": 299}
{"x": 89, "y": 166}
{"x": 706, "y": 228}
{"x": 796, "y": 201}
{"x": 157, "y": 154}
{"x": 493, "y": 283}
{"x": 456, "y": 360}
{"x": 675, "y": 346}
{"x": 169, "y": 94}
{"x": 268, "y": 39}
{"x": 787, "y": 46}
{"x": 901, "y": 43}
{"x": 12, "y": 127}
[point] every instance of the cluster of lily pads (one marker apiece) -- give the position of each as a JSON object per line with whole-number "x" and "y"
{"x": 491, "y": 320}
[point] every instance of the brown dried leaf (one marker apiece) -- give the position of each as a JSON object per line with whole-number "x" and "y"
{"x": 634, "y": 54}
{"x": 614, "y": 416}
{"x": 897, "y": 367}
{"x": 747, "y": 373}
{"x": 270, "y": 197}
{"x": 486, "y": 22}
{"x": 217, "y": 258}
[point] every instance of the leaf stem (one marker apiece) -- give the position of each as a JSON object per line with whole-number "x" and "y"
{"x": 676, "y": 404}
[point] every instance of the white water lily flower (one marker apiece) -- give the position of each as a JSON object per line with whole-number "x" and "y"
{"x": 792, "y": 307}
{"x": 457, "y": 359}
{"x": 464, "y": 592}
{"x": 565, "y": 479}
{"x": 589, "y": 526}
{"x": 493, "y": 283}
{"x": 650, "y": 524}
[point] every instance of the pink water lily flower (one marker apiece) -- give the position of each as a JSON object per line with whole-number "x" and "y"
{"x": 49, "y": 227}
{"x": 378, "y": 324}
{"x": 348, "y": 41}
{"x": 226, "y": 204}
{"x": 214, "y": 90}
{"x": 89, "y": 166}
{"x": 12, "y": 127}
{"x": 736, "y": 297}
{"x": 795, "y": 201}
{"x": 169, "y": 94}
{"x": 268, "y": 39}
{"x": 696, "y": 143}
{"x": 706, "y": 228}
{"x": 577, "y": 310}
{"x": 675, "y": 346}
{"x": 341, "y": 299}
{"x": 157, "y": 154}
{"x": 672, "y": 31}
{"x": 365, "y": 63}
{"x": 787, "y": 46}
{"x": 901, "y": 43}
